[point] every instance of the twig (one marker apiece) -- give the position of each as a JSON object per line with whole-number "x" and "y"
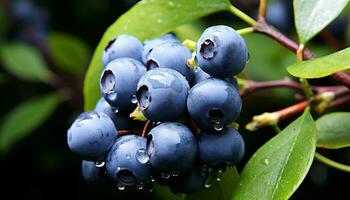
{"x": 331, "y": 163}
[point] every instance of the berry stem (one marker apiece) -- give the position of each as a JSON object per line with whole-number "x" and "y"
{"x": 147, "y": 126}
{"x": 123, "y": 132}
{"x": 245, "y": 31}
{"x": 332, "y": 163}
{"x": 342, "y": 78}
{"x": 262, "y": 9}
{"x": 242, "y": 15}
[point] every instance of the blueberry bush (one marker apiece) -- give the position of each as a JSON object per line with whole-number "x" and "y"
{"x": 187, "y": 100}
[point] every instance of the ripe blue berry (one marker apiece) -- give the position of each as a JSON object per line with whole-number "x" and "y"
{"x": 162, "y": 94}
{"x": 119, "y": 81}
{"x": 91, "y": 173}
{"x": 127, "y": 162}
{"x": 221, "y": 51}
{"x": 191, "y": 181}
{"x": 123, "y": 122}
{"x": 123, "y": 46}
{"x": 213, "y": 103}
{"x": 231, "y": 149}
{"x": 172, "y": 148}
{"x": 149, "y": 45}
{"x": 173, "y": 56}
{"x": 91, "y": 135}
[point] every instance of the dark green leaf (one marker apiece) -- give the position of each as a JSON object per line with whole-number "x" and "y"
{"x": 277, "y": 169}
{"x": 323, "y": 66}
{"x": 25, "y": 118}
{"x": 147, "y": 19}
{"x": 164, "y": 193}
{"x": 25, "y": 62}
{"x": 219, "y": 190}
{"x": 311, "y": 16}
{"x": 333, "y": 130}
{"x": 69, "y": 52}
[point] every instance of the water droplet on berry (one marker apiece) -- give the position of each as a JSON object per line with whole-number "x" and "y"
{"x": 218, "y": 126}
{"x": 175, "y": 173}
{"x": 165, "y": 175}
{"x": 142, "y": 156}
{"x": 133, "y": 99}
{"x": 128, "y": 156}
{"x": 121, "y": 187}
{"x": 116, "y": 110}
{"x": 140, "y": 186}
{"x": 99, "y": 164}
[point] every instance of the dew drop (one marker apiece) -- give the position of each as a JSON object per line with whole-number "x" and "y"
{"x": 175, "y": 173}
{"x": 116, "y": 110}
{"x": 142, "y": 156}
{"x": 153, "y": 180}
{"x": 218, "y": 176}
{"x": 266, "y": 161}
{"x": 121, "y": 187}
{"x": 218, "y": 126}
{"x": 128, "y": 156}
{"x": 133, "y": 99}
{"x": 140, "y": 186}
{"x": 165, "y": 175}
{"x": 99, "y": 164}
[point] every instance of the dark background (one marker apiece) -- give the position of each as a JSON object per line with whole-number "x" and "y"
{"x": 41, "y": 166}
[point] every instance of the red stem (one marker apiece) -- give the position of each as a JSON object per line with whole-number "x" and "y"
{"x": 147, "y": 126}
{"x": 123, "y": 132}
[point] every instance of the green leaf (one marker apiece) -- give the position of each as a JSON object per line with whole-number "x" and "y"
{"x": 323, "y": 66}
{"x": 191, "y": 31}
{"x": 311, "y": 16}
{"x": 277, "y": 169}
{"x": 333, "y": 130}
{"x": 25, "y": 118}
{"x": 24, "y": 62}
{"x": 164, "y": 193}
{"x": 69, "y": 52}
{"x": 219, "y": 190}
{"x": 145, "y": 20}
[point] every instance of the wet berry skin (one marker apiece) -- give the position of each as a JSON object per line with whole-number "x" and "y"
{"x": 231, "y": 149}
{"x": 191, "y": 181}
{"x": 124, "y": 46}
{"x": 173, "y": 56}
{"x": 221, "y": 52}
{"x": 213, "y": 103}
{"x": 172, "y": 148}
{"x": 162, "y": 94}
{"x": 127, "y": 161}
{"x": 149, "y": 45}
{"x": 120, "y": 120}
{"x": 91, "y": 173}
{"x": 91, "y": 135}
{"x": 118, "y": 83}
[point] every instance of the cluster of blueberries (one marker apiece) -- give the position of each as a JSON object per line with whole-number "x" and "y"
{"x": 189, "y": 140}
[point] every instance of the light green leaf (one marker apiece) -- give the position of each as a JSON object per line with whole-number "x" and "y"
{"x": 69, "y": 52}
{"x": 25, "y": 118}
{"x": 191, "y": 31}
{"x": 311, "y": 16}
{"x": 219, "y": 190}
{"x": 24, "y": 62}
{"x": 333, "y": 130}
{"x": 277, "y": 169}
{"x": 323, "y": 66}
{"x": 145, "y": 20}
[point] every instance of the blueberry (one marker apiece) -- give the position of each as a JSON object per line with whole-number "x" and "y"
{"x": 221, "y": 51}
{"x": 127, "y": 162}
{"x": 172, "y": 148}
{"x": 91, "y": 173}
{"x": 278, "y": 15}
{"x": 191, "y": 181}
{"x": 173, "y": 56}
{"x": 121, "y": 47}
{"x": 119, "y": 81}
{"x": 123, "y": 122}
{"x": 220, "y": 149}
{"x": 149, "y": 45}
{"x": 213, "y": 103}
{"x": 91, "y": 135}
{"x": 200, "y": 75}
{"x": 162, "y": 94}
